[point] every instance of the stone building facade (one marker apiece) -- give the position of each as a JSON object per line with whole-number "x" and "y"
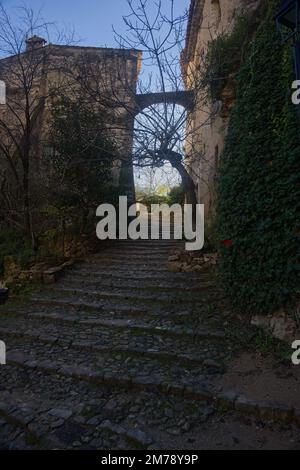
{"x": 110, "y": 74}
{"x": 208, "y": 19}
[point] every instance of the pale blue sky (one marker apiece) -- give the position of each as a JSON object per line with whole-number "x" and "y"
{"x": 91, "y": 19}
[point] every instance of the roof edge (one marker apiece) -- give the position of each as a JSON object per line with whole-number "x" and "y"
{"x": 194, "y": 24}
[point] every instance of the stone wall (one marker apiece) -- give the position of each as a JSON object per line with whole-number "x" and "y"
{"x": 209, "y": 122}
{"x": 112, "y": 72}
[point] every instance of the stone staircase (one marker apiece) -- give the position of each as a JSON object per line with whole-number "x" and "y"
{"x": 119, "y": 354}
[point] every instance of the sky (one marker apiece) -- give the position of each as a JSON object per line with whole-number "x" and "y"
{"x": 92, "y": 20}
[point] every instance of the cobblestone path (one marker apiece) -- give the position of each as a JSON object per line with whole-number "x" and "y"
{"x": 122, "y": 354}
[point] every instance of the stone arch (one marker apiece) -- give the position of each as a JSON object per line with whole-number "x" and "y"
{"x": 173, "y": 156}
{"x": 182, "y": 98}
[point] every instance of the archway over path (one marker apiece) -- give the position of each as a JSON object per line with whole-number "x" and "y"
{"x": 161, "y": 133}
{"x": 185, "y": 98}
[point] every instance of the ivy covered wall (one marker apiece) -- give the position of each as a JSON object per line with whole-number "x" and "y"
{"x": 259, "y": 179}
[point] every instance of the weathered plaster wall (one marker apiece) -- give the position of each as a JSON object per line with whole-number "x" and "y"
{"x": 209, "y": 123}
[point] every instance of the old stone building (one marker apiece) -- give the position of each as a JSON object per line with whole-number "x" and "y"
{"x": 110, "y": 75}
{"x": 208, "y": 19}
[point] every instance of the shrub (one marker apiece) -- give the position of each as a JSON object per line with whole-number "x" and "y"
{"x": 79, "y": 168}
{"x": 226, "y": 53}
{"x": 259, "y": 179}
{"x": 176, "y": 195}
{"x": 13, "y": 243}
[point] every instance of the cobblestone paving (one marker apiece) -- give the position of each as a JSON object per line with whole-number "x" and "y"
{"x": 122, "y": 354}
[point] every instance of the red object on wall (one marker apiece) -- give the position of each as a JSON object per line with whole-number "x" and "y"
{"x": 227, "y": 243}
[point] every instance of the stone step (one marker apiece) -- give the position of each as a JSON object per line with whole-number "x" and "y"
{"x": 86, "y": 312}
{"x": 139, "y": 252}
{"x": 142, "y": 277}
{"x": 60, "y": 428}
{"x": 147, "y": 250}
{"x": 83, "y": 416}
{"x": 116, "y": 263}
{"x": 128, "y": 285}
{"x": 124, "y": 258}
{"x": 137, "y": 326}
{"x": 148, "y": 243}
{"x": 154, "y": 253}
{"x": 84, "y": 306}
{"x": 138, "y": 306}
{"x": 128, "y": 270}
{"x": 158, "y": 259}
{"x": 122, "y": 254}
{"x": 86, "y": 417}
{"x": 124, "y": 308}
{"x": 166, "y": 385}
{"x": 94, "y": 361}
{"x": 153, "y": 383}
{"x": 194, "y": 297}
{"x": 107, "y": 339}
{"x": 91, "y": 312}
{"x": 105, "y": 367}
{"x": 163, "y": 236}
{"x": 95, "y": 311}
{"x": 96, "y": 306}
{"x": 14, "y": 421}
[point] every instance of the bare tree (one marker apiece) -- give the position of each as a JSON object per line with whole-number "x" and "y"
{"x": 163, "y": 131}
{"x": 24, "y": 67}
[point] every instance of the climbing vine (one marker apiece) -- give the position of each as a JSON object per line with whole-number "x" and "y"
{"x": 259, "y": 179}
{"x": 226, "y": 53}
